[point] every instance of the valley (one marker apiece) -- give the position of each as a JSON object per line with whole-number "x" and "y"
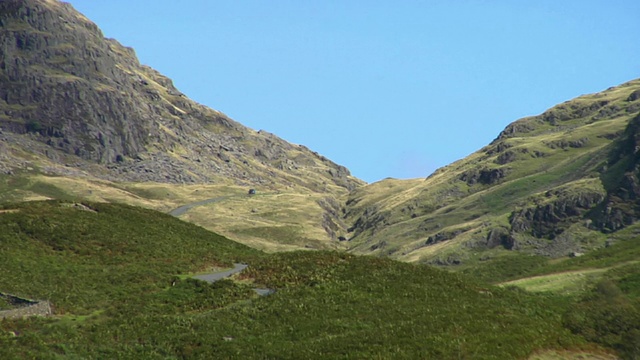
{"x": 119, "y": 194}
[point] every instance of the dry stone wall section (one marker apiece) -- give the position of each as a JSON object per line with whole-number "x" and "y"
{"x": 25, "y": 307}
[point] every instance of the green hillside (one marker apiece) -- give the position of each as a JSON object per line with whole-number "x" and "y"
{"x": 87, "y": 257}
{"x": 536, "y": 188}
{"x": 116, "y": 278}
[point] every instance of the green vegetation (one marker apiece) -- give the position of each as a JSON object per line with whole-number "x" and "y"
{"x": 508, "y": 267}
{"x": 608, "y": 316}
{"x": 603, "y": 285}
{"x": 34, "y": 126}
{"x": 113, "y": 272}
{"x": 16, "y": 187}
{"x": 570, "y": 282}
{"x": 89, "y": 257}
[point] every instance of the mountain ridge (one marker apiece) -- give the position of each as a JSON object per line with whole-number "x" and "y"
{"x": 529, "y": 189}
{"x": 81, "y": 118}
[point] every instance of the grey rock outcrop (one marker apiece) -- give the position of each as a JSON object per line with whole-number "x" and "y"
{"x": 24, "y": 307}
{"x": 550, "y": 218}
{"x": 621, "y": 207}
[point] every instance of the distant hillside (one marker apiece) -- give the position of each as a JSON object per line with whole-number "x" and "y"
{"x": 553, "y": 184}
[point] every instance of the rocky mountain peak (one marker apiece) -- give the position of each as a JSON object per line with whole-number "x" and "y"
{"x": 76, "y": 100}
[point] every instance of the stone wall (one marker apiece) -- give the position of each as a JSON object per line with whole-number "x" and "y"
{"x": 25, "y": 308}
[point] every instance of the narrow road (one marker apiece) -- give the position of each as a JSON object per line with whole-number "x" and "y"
{"x": 213, "y": 277}
{"x": 184, "y": 208}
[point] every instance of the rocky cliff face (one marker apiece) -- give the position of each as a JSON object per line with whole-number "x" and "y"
{"x": 554, "y": 211}
{"x": 84, "y": 104}
{"x": 62, "y": 83}
{"x": 621, "y": 206}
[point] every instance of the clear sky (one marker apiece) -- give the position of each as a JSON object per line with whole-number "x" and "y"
{"x": 385, "y": 88}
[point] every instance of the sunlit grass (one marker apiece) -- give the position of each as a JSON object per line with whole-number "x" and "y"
{"x": 570, "y": 282}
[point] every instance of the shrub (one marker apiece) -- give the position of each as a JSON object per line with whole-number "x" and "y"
{"x": 609, "y": 317}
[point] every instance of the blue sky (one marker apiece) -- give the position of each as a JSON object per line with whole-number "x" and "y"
{"x": 385, "y": 88}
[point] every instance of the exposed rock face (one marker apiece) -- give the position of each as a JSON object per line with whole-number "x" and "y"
{"x": 439, "y": 237}
{"x": 62, "y": 81}
{"x": 332, "y": 217}
{"x": 552, "y": 217}
{"x": 563, "y": 144}
{"x": 483, "y": 176}
{"x": 443, "y": 236}
{"x": 500, "y": 236}
{"x": 622, "y": 179}
{"x": 371, "y": 220}
{"x": 519, "y": 127}
{"x": 72, "y": 97}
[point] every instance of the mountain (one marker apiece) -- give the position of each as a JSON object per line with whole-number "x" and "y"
{"x": 81, "y": 117}
{"x": 554, "y": 184}
{"x": 85, "y": 104}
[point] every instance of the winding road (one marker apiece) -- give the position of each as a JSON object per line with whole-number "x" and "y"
{"x": 213, "y": 277}
{"x": 184, "y": 208}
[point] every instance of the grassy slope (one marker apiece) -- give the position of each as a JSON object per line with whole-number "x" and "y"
{"x": 57, "y": 251}
{"x": 604, "y": 286}
{"x": 108, "y": 274}
{"x": 271, "y": 221}
{"x": 542, "y": 157}
{"x": 287, "y": 217}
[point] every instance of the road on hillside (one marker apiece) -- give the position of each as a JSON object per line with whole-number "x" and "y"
{"x": 213, "y": 277}
{"x": 184, "y": 208}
